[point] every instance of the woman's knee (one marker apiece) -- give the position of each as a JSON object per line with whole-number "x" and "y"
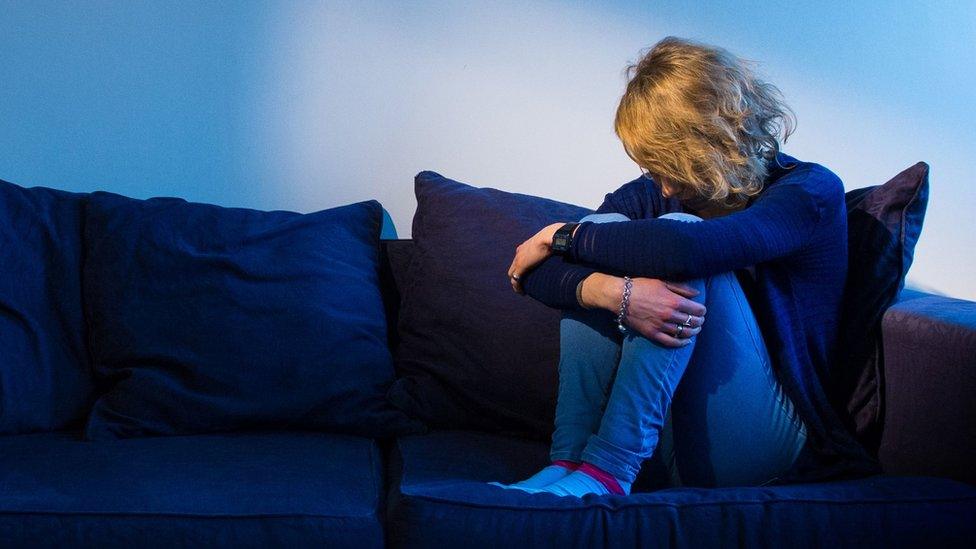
{"x": 681, "y": 216}
{"x": 616, "y": 216}
{"x": 605, "y": 217}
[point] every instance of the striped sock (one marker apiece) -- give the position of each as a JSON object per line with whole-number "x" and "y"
{"x": 587, "y": 479}
{"x": 549, "y": 474}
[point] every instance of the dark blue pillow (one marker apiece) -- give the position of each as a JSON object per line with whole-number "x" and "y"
{"x": 45, "y": 374}
{"x": 207, "y": 319}
{"x": 473, "y": 354}
{"x": 884, "y": 223}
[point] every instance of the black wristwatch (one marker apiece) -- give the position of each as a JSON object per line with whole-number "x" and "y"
{"x": 563, "y": 238}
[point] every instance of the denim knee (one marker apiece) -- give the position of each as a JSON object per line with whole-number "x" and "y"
{"x": 681, "y": 216}
{"x": 615, "y": 216}
{"x": 605, "y": 217}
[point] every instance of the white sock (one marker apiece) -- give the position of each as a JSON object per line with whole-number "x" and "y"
{"x": 577, "y": 484}
{"x": 548, "y": 475}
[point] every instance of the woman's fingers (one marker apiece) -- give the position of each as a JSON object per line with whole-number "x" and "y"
{"x": 667, "y": 335}
{"x": 688, "y": 332}
{"x": 670, "y": 341}
{"x": 516, "y": 285}
{"x": 679, "y": 317}
{"x": 681, "y": 289}
{"x": 512, "y": 270}
{"x": 688, "y": 306}
{"x": 664, "y": 334}
{"x": 684, "y": 304}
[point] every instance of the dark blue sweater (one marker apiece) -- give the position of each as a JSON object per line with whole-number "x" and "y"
{"x": 792, "y": 236}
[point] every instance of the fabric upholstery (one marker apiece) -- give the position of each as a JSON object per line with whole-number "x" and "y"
{"x": 472, "y": 352}
{"x": 207, "y": 319}
{"x": 437, "y": 500}
{"x": 883, "y": 224}
{"x": 45, "y": 375}
{"x": 228, "y": 490}
{"x": 396, "y": 256}
{"x": 929, "y": 387}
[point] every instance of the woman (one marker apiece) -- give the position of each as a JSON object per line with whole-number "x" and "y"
{"x": 722, "y": 222}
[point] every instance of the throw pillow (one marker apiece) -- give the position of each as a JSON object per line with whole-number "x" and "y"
{"x": 205, "y": 319}
{"x": 45, "y": 381}
{"x": 883, "y": 225}
{"x": 473, "y": 353}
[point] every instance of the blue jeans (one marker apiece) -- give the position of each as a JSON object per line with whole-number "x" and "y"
{"x": 727, "y": 423}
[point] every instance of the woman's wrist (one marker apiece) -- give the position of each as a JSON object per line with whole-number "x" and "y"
{"x": 603, "y": 291}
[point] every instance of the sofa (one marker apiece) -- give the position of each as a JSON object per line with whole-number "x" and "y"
{"x": 73, "y": 484}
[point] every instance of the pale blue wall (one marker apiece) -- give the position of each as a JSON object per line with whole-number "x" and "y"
{"x": 309, "y": 105}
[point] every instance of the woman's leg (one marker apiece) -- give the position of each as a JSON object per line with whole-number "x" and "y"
{"x": 732, "y": 424}
{"x": 589, "y": 350}
{"x": 636, "y": 412}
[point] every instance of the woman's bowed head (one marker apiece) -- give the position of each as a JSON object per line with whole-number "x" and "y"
{"x": 700, "y": 126}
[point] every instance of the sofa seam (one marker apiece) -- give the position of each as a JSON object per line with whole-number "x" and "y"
{"x": 627, "y": 506}
{"x": 183, "y": 515}
{"x": 378, "y": 501}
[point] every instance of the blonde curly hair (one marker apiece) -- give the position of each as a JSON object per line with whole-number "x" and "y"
{"x": 697, "y": 115}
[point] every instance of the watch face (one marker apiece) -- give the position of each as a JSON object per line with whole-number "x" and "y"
{"x": 559, "y": 241}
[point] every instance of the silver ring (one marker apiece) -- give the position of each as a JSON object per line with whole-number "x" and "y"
{"x": 678, "y": 333}
{"x": 688, "y": 322}
{"x": 515, "y": 276}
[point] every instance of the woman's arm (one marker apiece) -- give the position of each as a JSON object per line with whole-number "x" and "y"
{"x": 553, "y": 281}
{"x": 780, "y": 222}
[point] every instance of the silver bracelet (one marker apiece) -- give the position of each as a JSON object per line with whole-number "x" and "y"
{"x": 624, "y": 303}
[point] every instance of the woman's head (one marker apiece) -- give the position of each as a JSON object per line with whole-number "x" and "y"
{"x": 696, "y": 117}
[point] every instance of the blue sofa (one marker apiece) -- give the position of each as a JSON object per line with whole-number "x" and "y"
{"x": 308, "y": 488}
{"x": 927, "y": 499}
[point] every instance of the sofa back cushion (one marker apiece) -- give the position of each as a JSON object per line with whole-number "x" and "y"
{"x": 45, "y": 373}
{"x": 207, "y": 319}
{"x": 883, "y": 224}
{"x": 473, "y": 353}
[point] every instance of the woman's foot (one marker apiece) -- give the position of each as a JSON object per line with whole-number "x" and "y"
{"x": 549, "y": 474}
{"x": 588, "y": 479}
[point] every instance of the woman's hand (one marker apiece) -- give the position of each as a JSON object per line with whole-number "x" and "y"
{"x": 530, "y": 253}
{"x": 658, "y": 307}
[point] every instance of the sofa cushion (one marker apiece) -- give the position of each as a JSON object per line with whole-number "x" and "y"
{"x": 208, "y": 319}
{"x": 883, "y": 224}
{"x": 438, "y": 500}
{"x": 472, "y": 352}
{"x": 45, "y": 375}
{"x": 236, "y": 490}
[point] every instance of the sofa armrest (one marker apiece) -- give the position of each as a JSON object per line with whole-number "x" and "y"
{"x": 929, "y": 344}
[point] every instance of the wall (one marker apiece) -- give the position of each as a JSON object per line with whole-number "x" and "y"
{"x": 309, "y": 105}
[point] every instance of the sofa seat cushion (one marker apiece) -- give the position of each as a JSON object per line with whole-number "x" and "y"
{"x": 439, "y": 497}
{"x": 257, "y": 489}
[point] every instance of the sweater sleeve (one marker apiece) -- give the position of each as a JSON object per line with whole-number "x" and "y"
{"x": 778, "y": 223}
{"x": 553, "y": 281}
